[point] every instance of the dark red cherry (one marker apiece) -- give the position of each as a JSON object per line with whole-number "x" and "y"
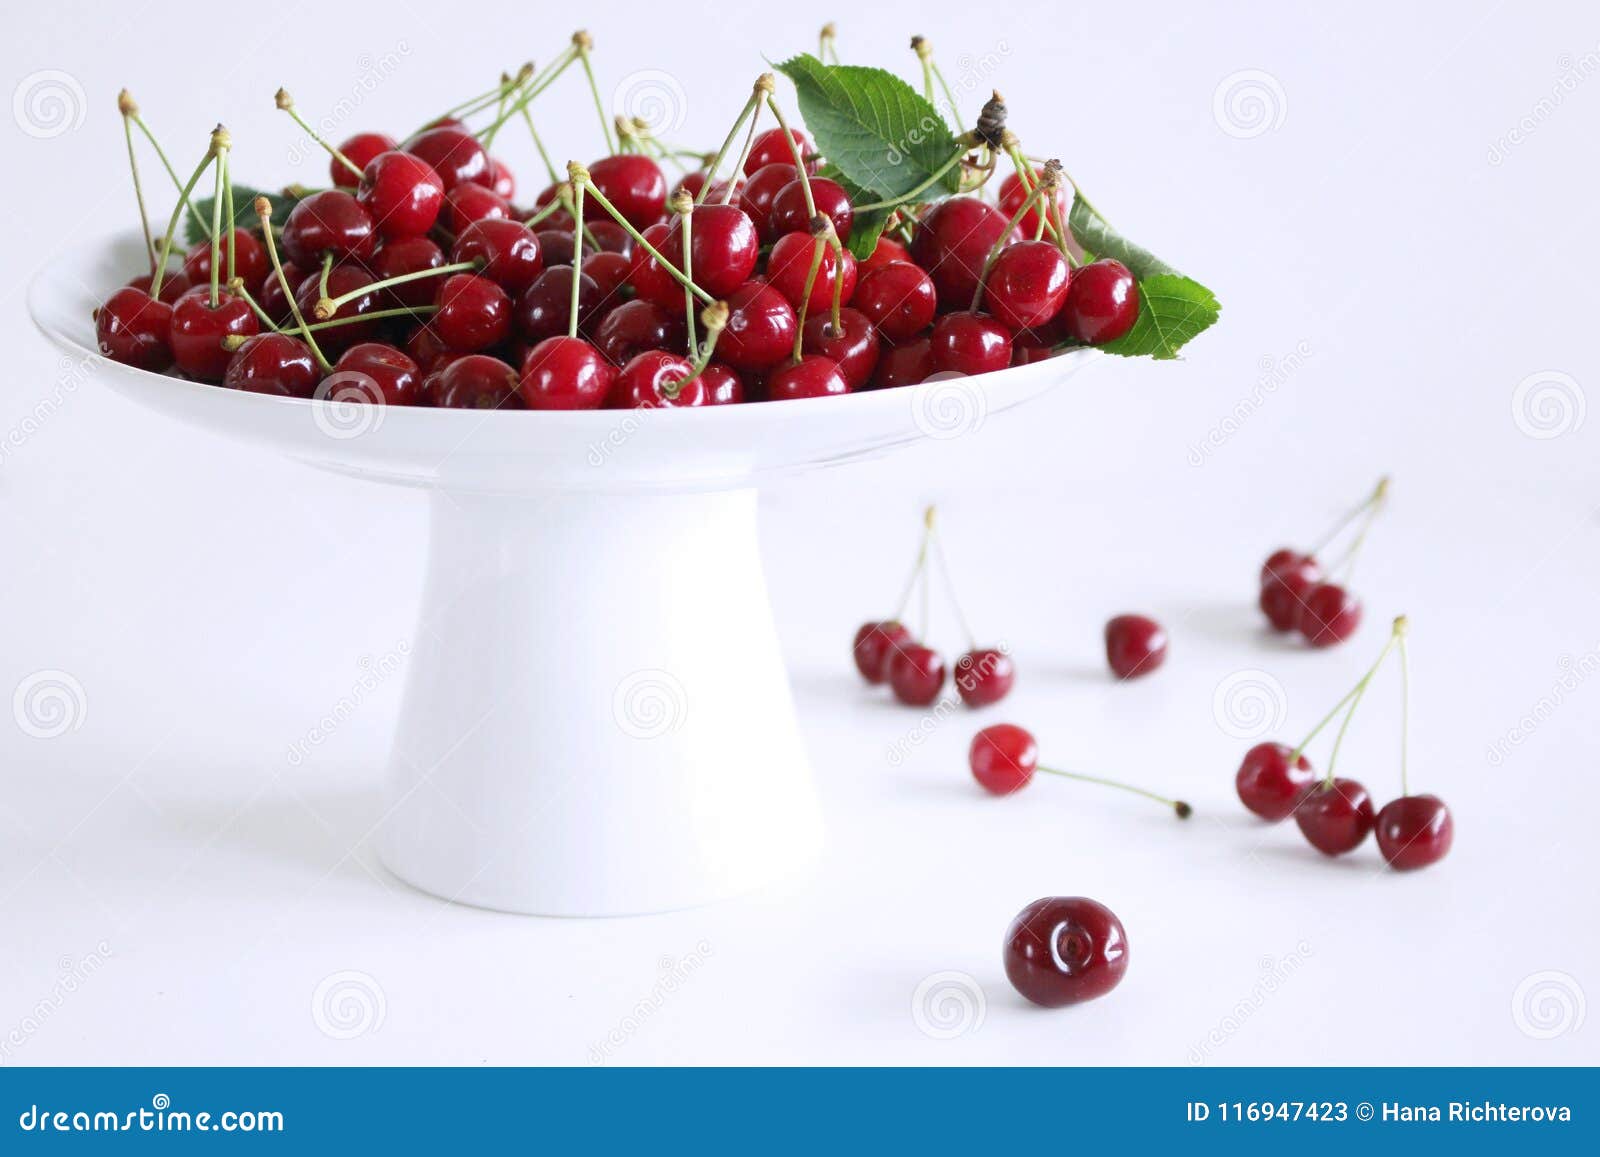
{"x": 984, "y": 676}
{"x": 1028, "y": 284}
{"x": 904, "y": 365}
{"x": 969, "y": 343}
{"x": 405, "y": 255}
{"x": 607, "y": 237}
{"x": 789, "y": 264}
{"x": 471, "y": 202}
{"x": 1329, "y": 614}
{"x": 401, "y": 193}
{"x": 916, "y": 674}
{"x": 770, "y": 148}
{"x": 565, "y": 373}
{"x": 1414, "y": 831}
{"x": 1268, "y": 786}
{"x": 558, "y": 219}
{"x": 173, "y": 286}
{"x": 396, "y": 378}
{"x": 609, "y": 272}
{"x": 724, "y": 248}
{"x": 761, "y": 328}
{"x": 1064, "y": 950}
{"x": 885, "y": 251}
{"x": 649, "y": 280}
{"x": 1135, "y": 646}
{"x": 501, "y": 179}
{"x": 760, "y": 191}
{"x": 1003, "y": 758}
{"x": 197, "y": 329}
{"x": 508, "y": 250}
{"x": 656, "y": 379}
{"x": 250, "y": 263}
{"x": 1284, "y": 587}
{"x": 1280, "y": 559}
{"x": 813, "y": 376}
{"x": 1012, "y": 195}
{"x": 274, "y": 302}
{"x": 331, "y": 221}
{"x": 474, "y": 313}
{"x": 544, "y": 309}
{"x": 273, "y": 363}
{"x": 854, "y": 346}
{"x": 555, "y": 246}
{"x": 454, "y": 154}
{"x": 475, "y": 382}
{"x": 132, "y": 328}
{"x": 343, "y": 279}
{"x": 788, "y": 214}
{"x": 1028, "y": 347}
{"x": 1335, "y": 817}
{"x": 1102, "y": 302}
{"x": 723, "y": 385}
{"x": 423, "y": 346}
{"x": 952, "y": 244}
{"x": 636, "y": 326}
{"x": 898, "y": 298}
{"x": 360, "y": 150}
{"x": 635, "y": 186}
{"x": 874, "y": 643}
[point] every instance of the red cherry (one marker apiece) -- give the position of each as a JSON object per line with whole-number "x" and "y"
{"x": 984, "y": 676}
{"x": 1135, "y": 646}
{"x": 399, "y": 257}
{"x": 758, "y": 193}
{"x": 723, "y": 386}
{"x": 501, "y": 179}
{"x": 1335, "y": 817}
{"x": 401, "y": 193}
{"x": 1329, "y": 614}
{"x": 555, "y": 246}
{"x": 952, "y": 244}
{"x": 174, "y": 286}
{"x": 789, "y": 215}
{"x": 1012, "y": 195}
{"x": 454, "y": 154}
{"x": 1027, "y": 284}
{"x": 359, "y": 149}
{"x": 649, "y": 280}
{"x": 508, "y": 249}
{"x": 1280, "y": 559}
{"x": 250, "y": 263}
{"x": 609, "y": 272}
{"x": 474, "y": 313}
{"x": 565, "y": 373}
{"x": 636, "y": 326}
{"x": 1284, "y": 586}
{"x": 656, "y": 379}
{"x": 854, "y": 346}
{"x": 1064, "y": 950}
{"x": 468, "y": 203}
{"x": 1028, "y": 347}
{"x": 396, "y": 378}
{"x": 197, "y": 329}
{"x": 1102, "y": 302}
{"x": 1268, "y": 786}
{"x": 724, "y": 249}
{"x": 885, "y": 251}
{"x": 789, "y": 264}
{"x": 273, "y": 363}
{"x": 475, "y": 382}
{"x": 635, "y": 186}
{"x": 770, "y": 148}
{"x": 813, "y": 376}
{"x": 545, "y": 308}
{"x": 969, "y": 343}
{"x": 904, "y": 365}
{"x": 331, "y": 221}
{"x": 342, "y": 279}
{"x": 897, "y": 297}
{"x": 132, "y": 328}
{"x": 274, "y": 302}
{"x": 761, "y": 328}
{"x": 1003, "y": 758}
{"x": 916, "y": 674}
{"x": 874, "y": 643}
{"x": 1414, "y": 831}
{"x": 607, "y": 237}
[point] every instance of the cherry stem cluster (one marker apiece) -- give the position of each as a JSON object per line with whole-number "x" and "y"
{"x": 1183, "y": 810}
{"x": 264, "y": 211}
{"x": 1367, "y": 513}
{"x": 932, "y": 546}
{"x": 1352, "y": 699}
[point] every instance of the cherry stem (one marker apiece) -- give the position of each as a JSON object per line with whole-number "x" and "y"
{"x": 916, "y": 569}
{"x": 498, "y": 94}
{"x": 286, "y": 103}
{"x": 322, "y": 282}
{"x": 686, "y": 209}
{"x": 544, "y": 156}
{"x": 129, "y": 109}
{"x": 924, "y": 52}
{"x": 1405, "y": 711}
{"x": 950, "y": 590}
{"x": 817, "y": 248}
{"x": 326, "y": 307}
{"x": 715, "y": 317}
{"x": 264, "y": 211}
{"x": 825, "y": 43}
{"x": 1369, "y": 508}
{"x": 751, "y": 106}
{"x": 907, "y": 197}
{"x": 1047, "y": 184}
{"x": 233, "y": 226}
{"x": 638, "y": 238}
{"x": 557, "y": 203}
{"x": 375, "y": 315}
{"x": 580, "y": 180}
{"x": 236, "y": 287}
{"x": 532, "y": 89}
{"x": 583, "y": 46}
{"x": 1030, "y": 181}
{"x": 1183, "y": 810}
{"x": 1351, "y": 697}
{"x": 794, "y": 149}
{"x": 161, "y": 154}
{"x": 172, "y": 224}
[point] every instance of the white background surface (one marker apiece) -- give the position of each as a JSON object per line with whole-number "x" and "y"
{"x": 214, "y": 604}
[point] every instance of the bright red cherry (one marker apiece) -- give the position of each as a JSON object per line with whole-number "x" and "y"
{"x": 723, "y": 385}
{"x": 250, "y": 263}
{"x": 565, "y": 373}
{"x": 454, "y": 154}
{"x": 1028, "y": 347}
{"x": 656, "y": 379}
{"x": 853, "y": 346}
{"x": 401, "y": 193}
{"x": 886, "y": 250}
{"x": 1102, "y": 302}
{"x": 761, "y": 328}
{"x": 343, "y": 279}
{"x": 724, "y": 248}
{"x": 508, "y": 249}
{"x": 174, "y": 286}
{"x": 757, "y": 195}
{"x": 788, "y": 214}
{"x": 331, "y": 221}
{"x": 399, "y": 257}
{"x": 969, "y": 343}
{"x": 898, "y": 298}
{"x": 635, "y": 186}
{"x": 649, "y": 280}
{"x": 952, "y": 244}
{"x": 398, "y": 379}
{"x": 789, "y": 264}
{"x": 501, "y": 179}
{"x": 873, "y": 645}
{"x": 916, "y": 674}
{"x": 1285, "y": 581}
{"x": 607, "y": 237}
{"x": 813, "y": 376}
{"x": 474, "y": 313}
{"x": 1012, "y": 195}
{"x": 475, "y": 382}
{"x": 1135, "y": 646}
{"x": 544, "y": 309}
{"x": 197, "y": 329}
{"x": 472, "y": 202}
{"x": 273, "y": 363}
{"x": 1003, "y": 758}
{"x": 1027, "y": 284}
{"x": 904, "y": 365}
{"x": 559, "y": 218}
{"x": 984, "y": 676}
{"x": 1329, "y": 614}
{"x": 609, "y": 272}
{"x": 770, "y": 148}
{"x": 636, "y": 326}
{"x": 359, "y": 149}
{"x": 1335, "y": 817}
{"x": 1268, "y": 786}
{"x": 132, "y": 328}
{"x": 1414, "y": 831}
{"x": 1064, "y": 950}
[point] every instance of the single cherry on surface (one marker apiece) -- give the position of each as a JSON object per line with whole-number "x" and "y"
{"x": 1135, "y": 646}
{"x": 874, "y": 644}
{"x": 984, "y": 675}
{"x": 1003, "y": 758}
{"x": 1336, "y": 816}
{"x": 1285, "y": 582}
{"x": 1414, "y": 831}
{"x": 1329, "y": 614}
{"x": 1064, "y": 950}
{"x": 1268, "y": 785}
{"x": 916, "y": 674}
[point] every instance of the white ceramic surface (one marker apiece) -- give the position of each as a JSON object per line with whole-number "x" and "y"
{"x": 597, "y": 719}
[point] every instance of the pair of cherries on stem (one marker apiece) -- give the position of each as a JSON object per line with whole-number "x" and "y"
{"x": 886, "y": 651}
{"x": 1297, "y": 594}
{"x": 1336, "y": 814}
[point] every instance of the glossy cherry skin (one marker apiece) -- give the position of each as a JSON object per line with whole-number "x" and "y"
{"x": 916, "y": 674}
{"x": 813, "y": 376}
{"x": 1027, "y": 284}
{"x": 874, "y": 644}
{"x": 789, "y": 215}
{"x": 173, "y": 286}
{"x": 1285, "y": 581}
{"x": 555, "y": 246}
{"x": 1268, "y": 786}
{"x": 342, "y": 279}
{"x": 508, "y": 250}
{"x": 250, "y": 262}
{"x": 475, "y": 382}
{"x": 853, "y": 346}
{"x": 197, "y": 329}
{"x": 607, "y": 237}
{"x": 360, "y": 149}
{"x": 757, "y": 195}
{"x": 274, "y": 302}
{"x": 1135, "y": 646}
{"x": 636, "y": 326}
{"x": 471, "y": 202}
{"x": 789, "y": 264}
{"x": 656, "y": 379}
{"x": 544, "y": 309}
{"x": 474, "y": 313}
{"x": 273, "y": 363}
{"x": 1335, "y": 818}
{"x": 898, "y": 298}
{"x": 969, "y": 343}
{"x": 132, "y": 328}
{"x": 565, "y": 373}
{"x": 723, "y": 385}
{"x": 1329, "y": 614}
{"x": 1065, "y": 950}
{"x": 501, "y": 179}
{"x": 1003, "y": 758}
{"x": 401, "y": 193}
{"x": 405, "y": 255}
{"x": 331, "y": 221}
{"x": 1028, "y": 347}
{"x": 397, "y": 377}
{"x": 609, "y": 272}
{"x": 635, "y": 186}
{"x": 1414, "y": 831}
{"x": 454, "y": 154}
{"x": 761, "y": 328}
{"x": 984, "y": 676}
{"x": 723, "y": 248}
{"x": 649, "y": 280}
{"x": 1012, "y": 195}
{"x": 886, "y": 250}
{"x": 904, "y": 365}
{"x": 770, "y": 147}
{"x": 1102, "y": 302}
{"x": 558, "y": 219}
{"x": 952, "y": 244}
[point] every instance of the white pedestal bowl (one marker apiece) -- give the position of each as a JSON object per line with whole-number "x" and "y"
{"x": 595, "y": 664}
